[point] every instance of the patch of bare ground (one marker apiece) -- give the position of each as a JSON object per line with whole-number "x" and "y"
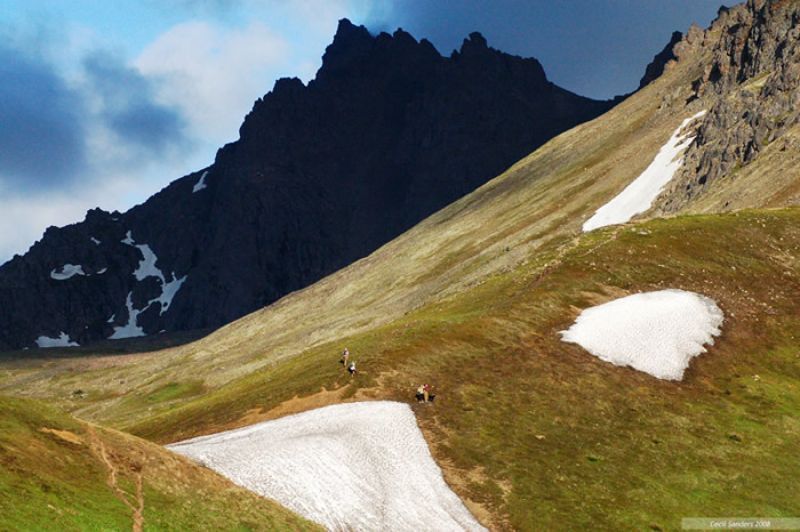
{"x": 65, "y": 435}
{"x": 137, "y": 505}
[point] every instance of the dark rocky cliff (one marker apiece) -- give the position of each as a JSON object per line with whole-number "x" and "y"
{"x": 389, "y": 132}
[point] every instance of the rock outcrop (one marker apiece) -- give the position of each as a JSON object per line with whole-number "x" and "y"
{"x": 387, "y": 133}
{"x": 751, "y": 83}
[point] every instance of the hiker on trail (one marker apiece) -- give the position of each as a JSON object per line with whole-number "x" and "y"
{"x": 352, "y": 368}
{"x": 421, "y": 393}
{"x": 426, "y": 392}
{"x": 345, "y": 356}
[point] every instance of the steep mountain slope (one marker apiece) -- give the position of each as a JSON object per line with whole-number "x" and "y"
{"x": 524, "y": 216}
{"x": 62, "y": 474}
{"x": 532, "y": 433}
{"x": 388, "y": 132}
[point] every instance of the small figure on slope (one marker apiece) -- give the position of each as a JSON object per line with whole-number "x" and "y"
{"x": 352, "y": 368}
{"x": 420, "y": 393}
{"x": 345, "y": 356}
{"x": 424, "y": 394}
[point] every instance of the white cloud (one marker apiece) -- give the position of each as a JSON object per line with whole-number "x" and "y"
{"x": 210, "y": 71}
{"x": 213, "y": 74}
{"x": 31, "y": 215}
{"x": 27, "y": 215}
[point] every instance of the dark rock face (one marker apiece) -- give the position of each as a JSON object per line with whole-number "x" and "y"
{"x": 753, "y": 82}
{"x": 388, "y": 132}
{"x": 659, "y": 62}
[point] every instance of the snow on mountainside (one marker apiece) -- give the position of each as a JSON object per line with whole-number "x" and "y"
{"x": 61, "y": 341}
{"x": 639, "y": 195}
{"x": 356, "y": 466}
{"x": 146, "y": 268}
{"x": 655, "y": 332}
{"x": 201, "y": 183}
{"x": 66, "y": 272}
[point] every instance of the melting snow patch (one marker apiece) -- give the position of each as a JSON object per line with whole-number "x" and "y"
{"x": 201, "y": 183}
{"x": 168, "y": 292}
{"x": 67, "y": 271}
{"x": 131, "y": 329}
{"x": 655, "y": 332}
{"x": 62, "y": 341}
{"x": 96, "y": 242}
{"x": 355, "y": 466}
{"x": 147, "y": 266}
{"x": 639, "y": 195}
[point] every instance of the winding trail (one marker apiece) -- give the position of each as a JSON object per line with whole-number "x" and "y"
{"x": 99, "y": 448}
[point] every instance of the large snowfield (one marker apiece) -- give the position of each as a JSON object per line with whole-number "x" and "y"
{"x": 655, "y": 332}
{"x": 354, "y": 466}
{"x": 639, "y": 195}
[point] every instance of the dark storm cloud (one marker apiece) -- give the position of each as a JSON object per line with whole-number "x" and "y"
{"x": 129, "y": 108}
{"x": 597, "y": 48}
{"x": 45, "y": 122}
{"x": 42, "y": 124}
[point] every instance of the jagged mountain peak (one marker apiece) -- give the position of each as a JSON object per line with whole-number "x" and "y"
{"x": 322, "y": 174}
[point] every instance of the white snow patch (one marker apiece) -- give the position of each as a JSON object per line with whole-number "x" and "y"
{"x": 201, "y": 183}
{"x": 131, "y": 329}
{"x": 354, "y": 466}
{"x": 168, "y": 292}
{"x": 62, "y": 341}
{"x": 102, "y": 271}
{"x": 639, "y": 195}
{"x": 67, "y": 271}
{"x": 655, "y": 332}
{"x": 147, "y": 266}
{"x": 96, "y": 242}
{"x": 112, "y": 318}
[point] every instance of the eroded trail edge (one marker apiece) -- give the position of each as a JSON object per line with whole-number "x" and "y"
{"x": 137, "y": 508}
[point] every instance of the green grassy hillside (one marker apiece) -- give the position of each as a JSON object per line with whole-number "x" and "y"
{"x": 533, "y": 432}
{"x": 537, "y": 433}
{"x": 536, "y": 206}
{"x": 59, "y": 473}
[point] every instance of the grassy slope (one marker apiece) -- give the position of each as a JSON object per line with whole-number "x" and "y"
{"x": 54, "y": 477}
{"x": 537, "y": 205}
{"x": 615, "y": 447}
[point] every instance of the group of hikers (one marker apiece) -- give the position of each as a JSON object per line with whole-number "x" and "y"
{"x": 352, "y": 366}
{"x": 423, "y": 395}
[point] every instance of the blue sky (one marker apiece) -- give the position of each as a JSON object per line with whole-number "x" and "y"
{"x": 104, "y": 103}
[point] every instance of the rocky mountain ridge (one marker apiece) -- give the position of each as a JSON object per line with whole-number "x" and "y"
{"x": 387, "y": 133}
